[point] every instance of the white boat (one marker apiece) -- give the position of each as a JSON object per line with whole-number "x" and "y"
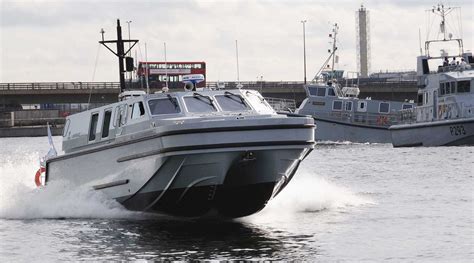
{"x": 341, "y": 116}
{"x": 445, "y": 115}
{"x": 212, "y": 152}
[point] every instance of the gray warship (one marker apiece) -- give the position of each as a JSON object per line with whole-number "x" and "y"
{"x": 445, "y": 114}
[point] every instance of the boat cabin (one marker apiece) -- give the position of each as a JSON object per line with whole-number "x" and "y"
{"x": 139, "y": 115}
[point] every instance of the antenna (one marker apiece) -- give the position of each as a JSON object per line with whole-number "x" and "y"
{"x": 334, "y": 48}
{"x": 120, "y": 51}
{"x": 237, "y": 59}
{"x": 419, "y": 40}
{"x": 166, "y": 66}
{"x": 146, "y": 72}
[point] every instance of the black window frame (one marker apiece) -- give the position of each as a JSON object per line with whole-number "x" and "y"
{"x": 94, "y": 120}
{"x": 106, "y": 123}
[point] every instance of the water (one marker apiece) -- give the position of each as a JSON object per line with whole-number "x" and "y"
{"x": 348, "y": 202}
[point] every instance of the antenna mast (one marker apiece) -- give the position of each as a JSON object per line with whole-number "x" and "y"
{"x": 334, "y": 48}
{"x": 120, "y": 51}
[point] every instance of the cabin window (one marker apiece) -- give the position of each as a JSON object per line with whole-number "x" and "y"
{"x": 331, "y": 92}
{"x": 138, "y": 110}
{"x": 442, "y": 88}
{"x": 362, "y": 106}
{"x": 321, "y": 92}
{"x": 464, "y": 86}
{"x": 106, "y": 123}
{"x": 199, "y": 103}
{"x": 337, "y": 105}
{"x": 407, "y": 106}
{"x": 232, "y": 102}
{"x": 384, "y": 107}
{"x": 164, "y": 106}
{"x": 93, "y": 126}
{"x": 447, "y": 88}
{"x": 315, "y": 91}
{"x": 348, "y": 105}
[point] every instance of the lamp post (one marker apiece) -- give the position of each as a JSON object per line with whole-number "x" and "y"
{"x": 304, "y": 48}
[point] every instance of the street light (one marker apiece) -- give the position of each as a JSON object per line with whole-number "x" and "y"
{"x": 304, "y": 48}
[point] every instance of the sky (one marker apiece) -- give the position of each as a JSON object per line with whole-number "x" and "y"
{"x": 58, "y": 40}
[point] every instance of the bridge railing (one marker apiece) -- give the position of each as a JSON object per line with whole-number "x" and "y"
{"x": 59, "y": 85}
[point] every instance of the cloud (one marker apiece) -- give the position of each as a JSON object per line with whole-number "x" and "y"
{"x": 57, "y": 41}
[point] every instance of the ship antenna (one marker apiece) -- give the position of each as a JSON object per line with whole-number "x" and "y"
{"x": 120, "y": 51}
{"x": 334, "y": 48}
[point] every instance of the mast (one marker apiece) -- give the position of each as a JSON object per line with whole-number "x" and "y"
{"x": 120, "y": 51}
{"x": 334, "y": 48}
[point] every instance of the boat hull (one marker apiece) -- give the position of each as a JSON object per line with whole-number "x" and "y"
{"x": 329, "y": 130}
{"x": 229, "y": 171}
{"x": 436, "y": 133}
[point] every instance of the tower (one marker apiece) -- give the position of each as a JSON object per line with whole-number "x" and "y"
{"x": 363, "y": 41}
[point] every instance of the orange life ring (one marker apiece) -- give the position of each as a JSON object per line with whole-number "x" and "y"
{"x": 38, "y": 176}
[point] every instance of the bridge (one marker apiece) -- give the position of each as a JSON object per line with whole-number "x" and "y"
{"x": 12, "y": 94}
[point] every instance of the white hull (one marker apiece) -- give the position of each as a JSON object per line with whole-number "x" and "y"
{"x": 188, "y": 172}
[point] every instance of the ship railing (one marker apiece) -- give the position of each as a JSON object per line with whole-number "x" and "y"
{"x": 59, "y": 85}
{"x": 362, "y": 118}
{"x": 279, "y": 104}
{"x": 445, "y": 111}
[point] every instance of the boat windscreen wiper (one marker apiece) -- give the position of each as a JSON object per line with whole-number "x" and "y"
{"x": 203, "y": 98}
{"x": 230, "y": 94}
{"x": 172, "y": 101}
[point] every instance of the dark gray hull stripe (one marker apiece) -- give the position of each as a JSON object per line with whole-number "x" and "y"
{"x": 111, "y": 184}
{"x": 351, "y": 124}
{"x": 214, "y": 146}
{"x": 431, "y": 124}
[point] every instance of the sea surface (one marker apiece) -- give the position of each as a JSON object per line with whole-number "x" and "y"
{"x": 348, "y": 202}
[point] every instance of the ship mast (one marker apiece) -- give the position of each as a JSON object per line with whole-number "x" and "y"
{"x": 120, "y": 51}
{"x": 334, "y": 48}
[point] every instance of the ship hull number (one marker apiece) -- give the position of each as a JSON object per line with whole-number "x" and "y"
{"x": 457, "y": 130}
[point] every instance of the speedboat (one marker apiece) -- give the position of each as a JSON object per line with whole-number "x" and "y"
{"x": 190, "y": 153}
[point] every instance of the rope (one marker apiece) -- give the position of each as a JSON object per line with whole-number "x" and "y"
{"x": 93, "y": 75}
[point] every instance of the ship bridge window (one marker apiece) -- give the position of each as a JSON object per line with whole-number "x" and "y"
{"x": 348, "y": 105}
{"x": 337, "y": 105}
{"x": 164, "y": 106}
{"x": 331, "y": 92}
{"x": 93, "y": 126}
{"x": 138, "y": 110}
{"x": 464, "y": 86}
{"x": 407, "y": 106}
{"x": 384, "y": 107}
{"x": 315, "y": 91}
{"x": 199, "y": 103}
{"x": 232, "y": 102}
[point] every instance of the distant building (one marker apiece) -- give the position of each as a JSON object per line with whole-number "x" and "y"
{"x": 363, "y": 41}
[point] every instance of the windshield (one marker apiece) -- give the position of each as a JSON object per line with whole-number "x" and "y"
{"x": 199, "y": 103}
{"x": 164, "y": 106}
{"x": 259, "y": 103}
{"x": 232, "y": 102}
